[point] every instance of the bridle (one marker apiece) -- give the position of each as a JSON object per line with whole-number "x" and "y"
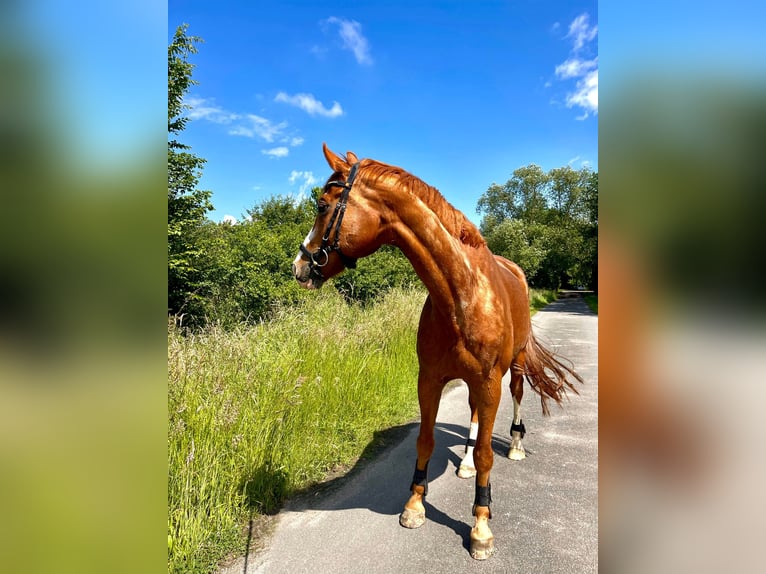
{"x": 321, "y": 256}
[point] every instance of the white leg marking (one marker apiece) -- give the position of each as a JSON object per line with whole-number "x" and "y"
{"x": 467, "y": 467}
{"x": 517, "y": 450}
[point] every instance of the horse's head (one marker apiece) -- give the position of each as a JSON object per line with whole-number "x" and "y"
{"x": 345, "y": 229}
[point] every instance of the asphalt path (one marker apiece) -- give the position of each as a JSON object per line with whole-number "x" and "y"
{"x": 545, "y": 507}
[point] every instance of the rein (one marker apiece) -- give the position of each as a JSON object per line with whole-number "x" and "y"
{"x": 321, "y": 256}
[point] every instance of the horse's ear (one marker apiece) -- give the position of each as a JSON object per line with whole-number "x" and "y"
{"x": 351, "y": 157}
{"x": 336, "y": 163}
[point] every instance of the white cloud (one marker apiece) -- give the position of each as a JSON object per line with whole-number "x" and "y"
{"x": 580, "y": 31}
{"x": 254, "y": 126}
{"x": 307, "y": 177}
{"x": 574, "y": 67}
{"x": 319, "y": 51}
{"x": 230, "y": 219}
{"x": 309, "y": 104}
{"x": 585, "y": 94}
{"x": 260, "y": 127}
{"x": 276, "y": 152}
{"x": 204, "y": 109}
{"x": 350, "y": 32}
{"x": 241, "y": 131}
{"x": 583, "y": 162}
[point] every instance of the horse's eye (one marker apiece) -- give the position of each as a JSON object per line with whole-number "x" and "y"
{"x": 322, "y": 207}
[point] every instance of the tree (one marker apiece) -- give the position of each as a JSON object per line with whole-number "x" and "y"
{"x": 520, "y": 241}
{"x": 547, "y": 223}
{"x": 521, "y": 197}
{"x": 284, "y": 210}
{"x": 567, "y": 193}
{"x": 383, "y": 270}
{"x": 590, "y": 232}
{"x": 187, "y": 205}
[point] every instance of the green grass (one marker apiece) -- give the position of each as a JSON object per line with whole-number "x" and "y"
{"x": 539, "y": 298}
{"x": 592, "y": 301}
{"x": 260, "y": 412}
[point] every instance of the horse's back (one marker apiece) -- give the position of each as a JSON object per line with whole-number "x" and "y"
{"x": 515, "y": 270}
{"x": 517, "y": 289}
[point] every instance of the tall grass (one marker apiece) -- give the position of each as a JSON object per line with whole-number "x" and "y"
{"x": 258, "y": 412}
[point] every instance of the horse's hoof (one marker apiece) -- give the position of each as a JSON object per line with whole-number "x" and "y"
{"x": 482, "y": 549}
{"x": 466, "y": 471}
{"x": 412, "y": 518}
{"x": 517, "y": 454}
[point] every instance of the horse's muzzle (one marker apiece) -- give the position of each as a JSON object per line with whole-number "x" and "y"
{"x": 304, "y": 277}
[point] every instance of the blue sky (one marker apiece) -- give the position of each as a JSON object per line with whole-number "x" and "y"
{"x": 458, "y": 93}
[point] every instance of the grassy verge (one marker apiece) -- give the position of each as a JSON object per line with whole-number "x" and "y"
{"x": 258, "y": 413}
{"x": 539, "y": 298}
{"x": 592, "y": 301}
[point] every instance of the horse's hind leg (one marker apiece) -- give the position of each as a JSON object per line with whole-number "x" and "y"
{"x": 517, "y": 426}
{"x": 467, "y": 467}
{"x": 429, "y": 393}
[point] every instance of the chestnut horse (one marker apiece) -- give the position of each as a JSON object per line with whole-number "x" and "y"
{"x": 475, "y": 324}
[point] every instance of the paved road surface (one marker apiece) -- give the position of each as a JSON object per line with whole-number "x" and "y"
{"x": 545, "y": 512}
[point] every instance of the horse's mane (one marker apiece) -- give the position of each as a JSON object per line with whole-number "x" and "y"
{"x": 453, "y": 220}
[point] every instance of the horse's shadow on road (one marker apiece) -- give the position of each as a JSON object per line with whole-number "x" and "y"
{"x": 380, "y": 480}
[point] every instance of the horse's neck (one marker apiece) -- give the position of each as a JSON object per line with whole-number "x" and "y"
{"x": 441, "y": 261}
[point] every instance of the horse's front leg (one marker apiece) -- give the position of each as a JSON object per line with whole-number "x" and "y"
{"x": 488, "y": 400}
{"x": 429, "y": 393}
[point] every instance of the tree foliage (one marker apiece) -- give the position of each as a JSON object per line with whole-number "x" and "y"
{"x": 247, "y": 265}
{"x": 187, "y": 205}
{"x": 376, "y": 274}
{"x": 547, "y": 223}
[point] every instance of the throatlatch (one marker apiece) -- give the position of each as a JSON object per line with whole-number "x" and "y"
{"x": 420, "y": 478}
{"x": 483, "y": 497}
